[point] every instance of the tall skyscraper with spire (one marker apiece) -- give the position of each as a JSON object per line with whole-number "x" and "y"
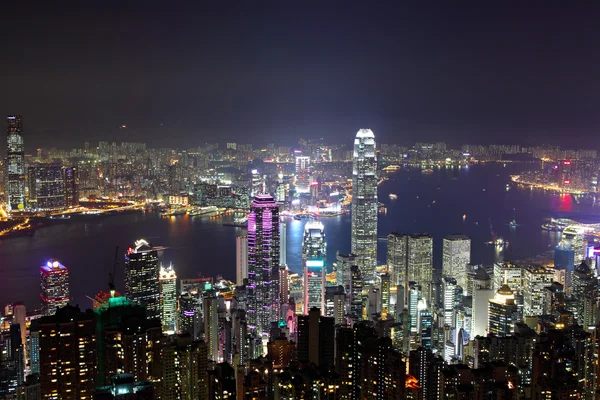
{"x": 15, "y": 164}
{"x": 364, "y": 202}
{"x": 263, "y": 263}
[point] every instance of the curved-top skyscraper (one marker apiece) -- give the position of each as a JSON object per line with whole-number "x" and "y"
{"x": 364, "y": 202}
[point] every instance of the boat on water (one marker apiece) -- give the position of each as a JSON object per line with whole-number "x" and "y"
{"x": 393, "y": 196}
{"x": 498, "y": 242}
{"x": 174, "y": 213}
{"x": 59, "y": 217}
{"x": 202, "y": 211}
{"x": 427, "y": 171}
{"x": 513, "y": 224}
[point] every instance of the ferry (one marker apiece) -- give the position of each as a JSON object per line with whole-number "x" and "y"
{"x": 393, "y": 196}
{"x": 174, "y": 213}
{"x": 202, "y": 211}
{"x": 513, "y": 224}
{"x": 427, "y": 171}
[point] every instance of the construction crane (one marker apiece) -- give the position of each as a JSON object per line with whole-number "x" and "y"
{"x": 111, "y": 275}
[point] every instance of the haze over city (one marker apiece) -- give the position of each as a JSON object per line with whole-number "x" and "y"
{"x": 184, "y": 73}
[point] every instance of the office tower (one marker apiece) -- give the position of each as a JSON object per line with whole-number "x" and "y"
{"x": 263, "y": 258}
{"x": 68, "y": 354}
{"x": 564, "y": 256}
{"x": 313, "y": 256}
{"x": 501, "y": 313}
{"x": 71, "y": 185}
{"x": 452, "y": 296}
{"x": 535, "y": 281}
{"x": 507, "y": 273}
{"x": 15, "y": 164}
{"x": 364, "y": 203}
{"x": 282, "y": 244}
{"x": 303, "y": 180}
{"x": 127, "y": 341}
{"x": 54, "y": 284}
{"x": 188, "y": 314}
{"x": 48, "y": 186}
{"x": 167, "y": 284}
{"x": 343, "y": 269}
{"x": 477, "y": 278}
{"x": 141, "y": 277}
{"x": 412, "y": 255}
{"x": 211, "y": 326}
{"x": 316, "y": 338}
{"x": 241, "y": 259}
{"x": 184, "y": 369}
{"x": 355, "y": 299}
{"x": 575, "y": 236}
{"x": 480, "y": 311}
{"x": 456, "y": 255}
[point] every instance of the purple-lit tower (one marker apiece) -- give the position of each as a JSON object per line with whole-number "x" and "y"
{"x": 263, "y": 263}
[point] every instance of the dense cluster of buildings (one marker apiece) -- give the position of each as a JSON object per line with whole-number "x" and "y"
{"x": 356, "y": 330}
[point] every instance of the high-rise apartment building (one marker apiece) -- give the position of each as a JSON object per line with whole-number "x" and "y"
{"x": 15, "y": 164}
{"x": 54, "y": 284}
{"x": 241, "y": 259}
{"x": 141, "y": 277}
{"x": 456, "y": 254}
{"x": 316, "y": 338}
{"x": 412, "y": 256}
{"x": 263, "y": 259}
{"x": 167, "y": 282}
{"x": 68, "y": 354}
{"x": 364, "y": 202}
{"x": 211, "y": 326}
{"x": 184, "y": 369}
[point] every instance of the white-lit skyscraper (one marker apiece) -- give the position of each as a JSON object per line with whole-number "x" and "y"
{"x": 141, "y": 277}
{"x": 314, "y": 248}
{"x": 364, "y": 202}
{"x": 303, "y": 174}
{"x": 241, "y": 259}
{"x": 15, "y": 164}
{"x": 263, "y": 258}
{"x": 54, "y": 282}
{"x": 456, "y": 254}
{"x": 167, "y": 281}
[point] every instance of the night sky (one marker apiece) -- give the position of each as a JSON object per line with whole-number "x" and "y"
{"x": 257, "y": 71}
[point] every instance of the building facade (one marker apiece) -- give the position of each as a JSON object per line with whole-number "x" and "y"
{"x": 15, "y": 164}
{"x": 54, "y": 283}
{"x": 141, "y": 277}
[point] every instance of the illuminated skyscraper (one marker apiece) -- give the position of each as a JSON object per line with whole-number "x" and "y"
{"x": 502, "y": 312}
{"x": 71, "y": 185}
{"x": 412, "y": 255}
{"x": 141, "y": 277}
{"x": 54, "y": 280}
{"x": 303, "y": 174}
{"x": 364, "y": 202}
{"x": 456, "y": 256}
{"x": 241, "y": 259}
{"x": 535, "y": 280}
{"x": 314, "y": 249}
{"x": 167, "y": 282}
{"x": 211, "y": 327}
{"x": 48, "y": 186}
{"x": 263, "y": 258}
{"x": 15, "y": 163}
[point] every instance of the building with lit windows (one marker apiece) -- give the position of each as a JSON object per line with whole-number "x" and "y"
{"x": 314, "y": 272}
{"x": 263, "y": 259}
{"x": 167, "y": 283}
{"x": 47, "y": 186}
{"x": 211, "y": 327}
{"x": 303, "y": 179}
{"x": 364, "y": 203}
{"x": 71, "y": 185}
{"x": 535, "y": 281}
{"x": 184, "y": 369}
{"x": 456, "y": 255}
{"x": 412, "y": 256}
{"x": 15, "y": 164}
{"x": 509, "y": 274}
{"x": 68, "y": 357}
{"x": 241, "y": 259}
{"x": 141, "y": 277}
{"x": 54, "y": 283}
{"x": 502, "y": 312}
